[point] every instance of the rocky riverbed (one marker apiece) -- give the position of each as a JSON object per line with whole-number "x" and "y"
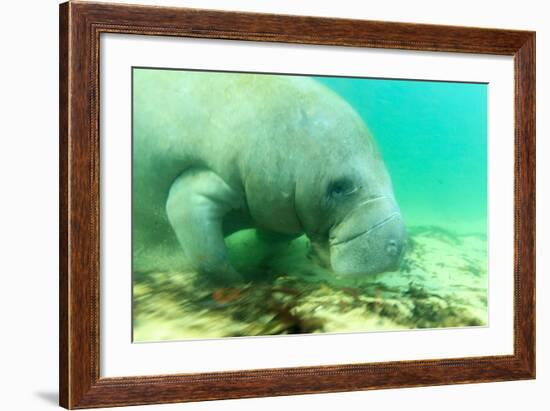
{"x": 442, "y": 282}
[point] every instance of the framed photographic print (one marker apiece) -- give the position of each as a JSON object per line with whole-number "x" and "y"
{"x": 256, "y": 205}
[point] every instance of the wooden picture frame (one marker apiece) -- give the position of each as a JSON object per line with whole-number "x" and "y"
{"x": 80, "y": 27}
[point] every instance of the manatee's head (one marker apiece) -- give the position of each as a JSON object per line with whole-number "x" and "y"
{"x": 365, "y": 232}
{"x": 370, "y": 239}
{"x": 344, "y": 197}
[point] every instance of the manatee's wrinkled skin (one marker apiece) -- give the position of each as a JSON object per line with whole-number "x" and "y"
{"x": 215, "y": 153}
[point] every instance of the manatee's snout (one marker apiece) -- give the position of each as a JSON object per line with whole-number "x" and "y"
{"x": 371, "y": 240}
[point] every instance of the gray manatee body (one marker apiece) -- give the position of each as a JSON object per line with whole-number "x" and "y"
{"x": 214, "y": 153}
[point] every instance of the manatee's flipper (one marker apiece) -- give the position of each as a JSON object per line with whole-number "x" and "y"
{"x": 196, "y": 204}
{"x": 318, "y": 252}
{"x": 273, "y": 240}
{"x": 269, "y": 245}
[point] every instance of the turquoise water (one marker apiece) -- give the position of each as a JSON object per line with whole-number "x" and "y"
{"x": 433, "y": 138}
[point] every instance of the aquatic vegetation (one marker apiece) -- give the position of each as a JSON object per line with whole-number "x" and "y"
{"x": 422, "y": 294}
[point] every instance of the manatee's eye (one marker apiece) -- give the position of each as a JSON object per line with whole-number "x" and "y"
{"x": 341, "y": 187}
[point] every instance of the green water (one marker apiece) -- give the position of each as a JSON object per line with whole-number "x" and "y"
{"x": 433, "y": 140}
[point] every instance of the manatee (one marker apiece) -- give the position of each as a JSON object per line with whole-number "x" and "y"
{"x": 215, "y": 153}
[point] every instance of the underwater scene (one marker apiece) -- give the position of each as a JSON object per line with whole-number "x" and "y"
{"x": 270, "y": 204}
